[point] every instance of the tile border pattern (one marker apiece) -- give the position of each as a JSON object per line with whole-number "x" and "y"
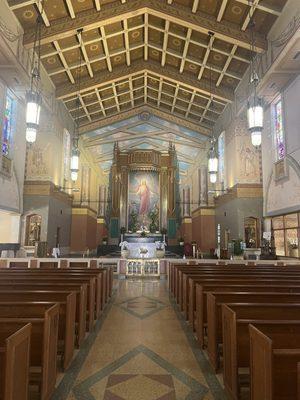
{"x": 67, "y": 383}
{"x": 208, "y": 373}
{"x": 82, "y": 390}
{"x": 160, "y": 306}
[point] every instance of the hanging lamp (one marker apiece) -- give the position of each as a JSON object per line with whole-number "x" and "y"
{"x": 75, "y": 154}
{"x": 213, "y": 161}
{"x": 255, "y": 112}
{"x": 33, "y": 96}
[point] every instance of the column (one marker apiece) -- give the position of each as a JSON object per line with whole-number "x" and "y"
{"x": 85, "y": 185}
{"x": 203, "y": 186}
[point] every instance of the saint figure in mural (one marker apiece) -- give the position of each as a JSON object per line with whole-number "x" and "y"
{"x": 144, "y": 193}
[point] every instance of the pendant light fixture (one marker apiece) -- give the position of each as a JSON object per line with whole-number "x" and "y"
{"x": 33, "y": 96}
{"x": 75, "y": 149}
{"x": 213, "y": 160}
{"x": 255, "y": 112}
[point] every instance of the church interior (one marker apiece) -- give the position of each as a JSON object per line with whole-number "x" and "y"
{"x": 149, "y": 199}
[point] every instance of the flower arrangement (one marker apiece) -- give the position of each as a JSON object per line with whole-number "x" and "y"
{"x": 124, "y": 245}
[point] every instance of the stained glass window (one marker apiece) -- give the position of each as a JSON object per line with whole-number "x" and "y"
{"x": 221, "y": 151}
{"x": 67, "y": 154}
{"x": 7, "y": 125}
{"x": 279, "y": 132}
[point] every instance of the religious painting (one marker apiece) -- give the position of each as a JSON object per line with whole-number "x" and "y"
{"x": 143, "y": 201}
{"x": 33, "y": 229}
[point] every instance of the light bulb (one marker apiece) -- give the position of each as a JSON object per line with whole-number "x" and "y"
{"x": 33, "y": 108}
{"x": 255, "y": 115}
{"x": 213, "y": 164}
{"x": 74, "y": 176}
{"x": 256, "y": 138}
{"x": 31, "y": 134}
{"x": 213, "y": 177}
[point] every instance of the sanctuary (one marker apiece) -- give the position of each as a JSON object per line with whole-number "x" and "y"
{"x": 149, "y": 199}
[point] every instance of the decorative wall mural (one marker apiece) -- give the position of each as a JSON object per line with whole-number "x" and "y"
{"x": 143, "y": 201}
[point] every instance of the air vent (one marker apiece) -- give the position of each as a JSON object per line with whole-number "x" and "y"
{"x": 297, "y": 56}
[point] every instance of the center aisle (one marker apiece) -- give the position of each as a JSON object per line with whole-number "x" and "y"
{"x": 142, "y": 350}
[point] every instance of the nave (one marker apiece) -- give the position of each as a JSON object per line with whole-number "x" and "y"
{"x": 141, "y": 350}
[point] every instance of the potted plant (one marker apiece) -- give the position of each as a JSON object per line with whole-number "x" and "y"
{"x": 124, "y": 249}
{"x": 143, "y": 234}
{"x": 181, "y": 241}
{"x": 160, "y": 249}
{"x": 104, "y": 241}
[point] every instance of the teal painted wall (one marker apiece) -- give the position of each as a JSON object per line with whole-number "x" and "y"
{"x": 114, "y": 227}
{"x": 172, "y": 228}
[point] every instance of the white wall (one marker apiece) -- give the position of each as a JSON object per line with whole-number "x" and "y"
{"x": 283, "y": 196}
{"x": 9, "y": 227}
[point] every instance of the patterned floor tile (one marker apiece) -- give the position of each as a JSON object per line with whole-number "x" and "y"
{"x": 128, "y": 386}
{"x": 141, "y": 349}
{"x": 142, "y": 306}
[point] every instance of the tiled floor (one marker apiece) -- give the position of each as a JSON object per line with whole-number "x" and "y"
{"x": 140, "y": 350}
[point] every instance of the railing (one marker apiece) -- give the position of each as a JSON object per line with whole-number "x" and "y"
{"x": 140, "y": 267}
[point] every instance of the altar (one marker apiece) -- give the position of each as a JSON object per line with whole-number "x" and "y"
{"x": 144, "y": 187}
{"x": 143, "y": 247}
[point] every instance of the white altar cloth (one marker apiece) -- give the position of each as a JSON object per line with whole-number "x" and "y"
{"x": 135, "y": 250}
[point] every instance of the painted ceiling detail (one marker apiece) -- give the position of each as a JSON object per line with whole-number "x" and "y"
{"x": 145, "y": 131}
{"x": 157, "y": 53}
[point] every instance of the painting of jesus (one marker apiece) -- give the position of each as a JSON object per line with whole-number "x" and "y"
{"x": 143, "y": 201}
{"x": 144, "y": 193}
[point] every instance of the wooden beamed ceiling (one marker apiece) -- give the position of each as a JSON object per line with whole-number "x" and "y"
{"x": 157, "y": 54}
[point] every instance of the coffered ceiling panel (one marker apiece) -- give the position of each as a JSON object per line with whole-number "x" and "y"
{"x": 184, "y": 57}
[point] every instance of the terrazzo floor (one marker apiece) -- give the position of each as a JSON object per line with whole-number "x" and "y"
{"x": 141, "y": 349}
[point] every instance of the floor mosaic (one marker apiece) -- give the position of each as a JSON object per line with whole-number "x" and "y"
{"x": 140, "y": 350}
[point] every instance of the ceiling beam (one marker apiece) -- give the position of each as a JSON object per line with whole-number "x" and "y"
{"x": 195, "y": 6}
{"x": 222, "y": 10}
{"x": 263, "y": 7}
{"x": 97, "y": 5}
{"x": 136, "y": 111}
{"x": 70, "y": 8}
{"x": 146, "y": 36}
{"x": 113, "y": 13}
{"x": 170, "y": 73}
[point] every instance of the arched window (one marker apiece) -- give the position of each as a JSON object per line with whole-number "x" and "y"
{"x": 66, "y": 156}
{"x": 279, "y": 130}
{"x": 33, "y": 229}
{"x": 7, "y": 128}
{"x": 221, "y": 151}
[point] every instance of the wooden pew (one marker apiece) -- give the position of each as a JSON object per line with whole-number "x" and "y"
{"x": 275, "y": 361}
{"x": 203, "y": 289}
{"x": 81, "y": 300}
{"x": 214, "y": 314}
{"x": 43, "y": 348}
{"x": 236, "y": 280}
{"x": 236, "y": 346}
{"x": 188, "y": 298}
{"x": 14, "y": 361}
{"x": 100, "y": 275}
{"x": 67, "y": 314}
{"x": 60, "y": 281}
